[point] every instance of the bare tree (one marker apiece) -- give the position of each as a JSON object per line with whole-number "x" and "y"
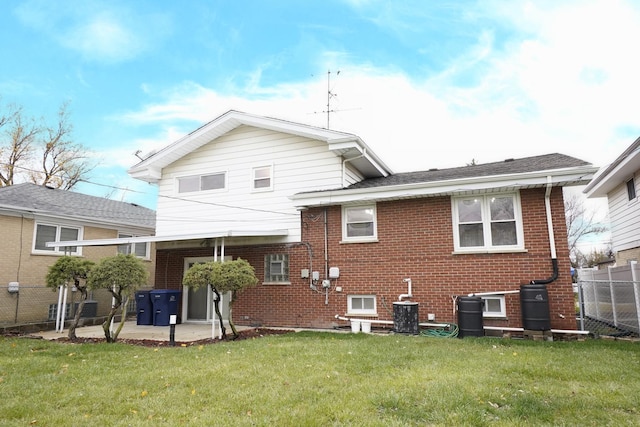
{"x": 41, "y": 153}
{"x": 580, "y": 223}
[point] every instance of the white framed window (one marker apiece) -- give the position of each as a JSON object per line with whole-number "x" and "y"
{"x": 491, "y": 222}
{"x": 56, "y": 233}
{"x": 359, "y": 223}
{"x": 262, "y": 178}
{"x": 362, "y": 305}
{"x": 213, "y": 181}
{"x": 139, "y": 249}
{"x": 493, "y": 306}
{"x": 276, "y": 268}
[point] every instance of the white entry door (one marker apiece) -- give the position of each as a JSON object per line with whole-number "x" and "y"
{"x": 197, "y": 305}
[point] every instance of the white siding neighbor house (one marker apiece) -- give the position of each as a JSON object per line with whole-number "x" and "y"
{"x": 618, "y": 182}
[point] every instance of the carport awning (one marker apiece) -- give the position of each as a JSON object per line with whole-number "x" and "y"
{"x": 177, "y": 237}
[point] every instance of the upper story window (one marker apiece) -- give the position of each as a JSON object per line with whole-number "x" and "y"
{"x": 487, "y": 223}
{"x": 214, "y": 181}
{"x": 359, "y": 223}
{"x": 631, "y": 189}
{"x": 276, "y": 268}
{"x": 262, "y": 178}
{"x": 139, "y": 249}
{"x": 56, "y": 233}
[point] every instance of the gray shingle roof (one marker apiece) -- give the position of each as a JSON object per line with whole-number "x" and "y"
{"x": 68, "y": 204}
{"x": 506, "y": 167}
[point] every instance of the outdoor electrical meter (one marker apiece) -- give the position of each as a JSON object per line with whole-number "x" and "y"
{"x": 334, "y": 273}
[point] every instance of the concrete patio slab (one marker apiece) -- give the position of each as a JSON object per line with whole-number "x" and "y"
{"x": 185, "y": 332}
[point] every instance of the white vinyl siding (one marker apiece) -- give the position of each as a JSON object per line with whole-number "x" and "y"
{"x": 625, "y": 217}
{"x": 299, "y": 164}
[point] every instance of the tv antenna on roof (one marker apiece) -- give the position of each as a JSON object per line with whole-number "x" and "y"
{"x": 330, "y": 96}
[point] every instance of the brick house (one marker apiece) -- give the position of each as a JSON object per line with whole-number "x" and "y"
{"x": 330, "y": 230}
{"x": 618, "y": 182}
{"x": 33, "y": 215}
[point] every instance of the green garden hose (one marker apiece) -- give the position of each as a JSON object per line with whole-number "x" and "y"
{"x": 450, "y": 331}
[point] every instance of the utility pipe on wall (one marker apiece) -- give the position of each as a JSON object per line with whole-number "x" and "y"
{"x": 408, "y": 294}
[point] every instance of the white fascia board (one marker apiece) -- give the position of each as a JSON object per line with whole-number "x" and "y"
{"x": 607, "y": 180}
{"x": 172, "y": 238}
{"x": 568, "y": 176}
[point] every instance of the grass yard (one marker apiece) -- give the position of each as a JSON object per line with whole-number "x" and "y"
{"x": 322, "y": 379}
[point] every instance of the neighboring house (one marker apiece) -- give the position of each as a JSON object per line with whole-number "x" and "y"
{"x": 618, "y": 182}
{"x": 331, "y": 230}
{"x": 31, "y": 216}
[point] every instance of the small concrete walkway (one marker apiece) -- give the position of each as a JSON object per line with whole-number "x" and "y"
{"x": 185, "y": 332}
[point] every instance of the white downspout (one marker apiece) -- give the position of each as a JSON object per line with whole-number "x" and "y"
{"x": 547, "y": 203}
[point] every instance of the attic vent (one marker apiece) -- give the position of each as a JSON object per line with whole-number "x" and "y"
{"x": 432, "y": 169}
{"x": 508, "y": 160}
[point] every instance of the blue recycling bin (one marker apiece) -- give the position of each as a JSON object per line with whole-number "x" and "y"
{"x": 144, "y": 308}
{"x": 165, "y": 303}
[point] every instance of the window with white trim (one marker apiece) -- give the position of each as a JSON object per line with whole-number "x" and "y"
{"x": 631, "y": 189}
{"x": 487, "y": 222}
{"x": 493, "y": 306}
{"x": 214, "y": 181}
{"x": 262, "y": 178}
{"x": 362, "y": 305}
{"x": 56, "y": 233}
{"x": 276, "y": 268}
{"x": 139, "y": 249}
{"x": 359, "y": 223}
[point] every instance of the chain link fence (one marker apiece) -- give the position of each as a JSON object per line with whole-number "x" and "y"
{"x": 609, "y": 301}
{"x": 33, "y": 308}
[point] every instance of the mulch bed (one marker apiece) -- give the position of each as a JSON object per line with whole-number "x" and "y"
{"x": 242, "y": 335}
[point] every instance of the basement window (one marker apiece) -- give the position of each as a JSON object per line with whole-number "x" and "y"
{"x": 494, "y": 306}
{"x": 362, "y": 305}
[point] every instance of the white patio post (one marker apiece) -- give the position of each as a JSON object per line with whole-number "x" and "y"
{"x": 636, "y": 289}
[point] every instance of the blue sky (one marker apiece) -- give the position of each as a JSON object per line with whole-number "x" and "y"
{"x": 425, "y": 83}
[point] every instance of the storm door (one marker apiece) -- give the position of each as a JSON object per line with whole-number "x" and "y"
{"x": 197, "y": 305}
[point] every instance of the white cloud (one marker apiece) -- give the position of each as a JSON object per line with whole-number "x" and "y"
{"x": 97, "y": 30}
{"x": 565, "y": 81}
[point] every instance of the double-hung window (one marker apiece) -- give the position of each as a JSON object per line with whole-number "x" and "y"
{"x": 56, "y": 233}
{"x": 359, "y": 223}
{"x": 276, "y": 269}
{"x": 139, "y": 249}
{"x": 262, "y": 178}
{"x": 490, "y": 222}
{"x": 213, "y": 181}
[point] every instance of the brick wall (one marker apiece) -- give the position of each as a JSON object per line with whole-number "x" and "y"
{"x": 415, "y": 239}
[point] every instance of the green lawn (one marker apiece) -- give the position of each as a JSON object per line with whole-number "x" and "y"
{"x": 322, "y": 379}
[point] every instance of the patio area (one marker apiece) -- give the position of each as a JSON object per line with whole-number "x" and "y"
{"x": 185, "y": 332}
